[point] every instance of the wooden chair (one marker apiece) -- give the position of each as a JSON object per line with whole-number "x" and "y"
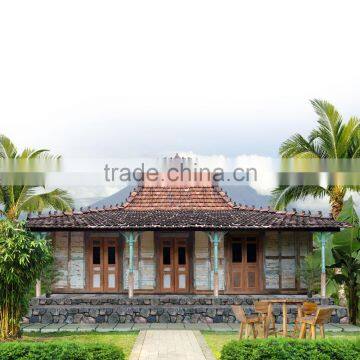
{"x": 321, "y": 317}
{"x": 306, "y": 309}
{"x": 264, "y": 309}
{"x": 246, "y": 321}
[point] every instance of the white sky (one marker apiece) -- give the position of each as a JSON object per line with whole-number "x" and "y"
{"x": 144, "y": 78}
{"x": 135, "y": 78}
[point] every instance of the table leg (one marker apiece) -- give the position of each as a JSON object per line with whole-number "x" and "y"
{"x": 284, "y": 311}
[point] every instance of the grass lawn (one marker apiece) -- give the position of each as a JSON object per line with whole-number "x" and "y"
{"x": 123, "y": 340}
{"x": 216, "y": 340}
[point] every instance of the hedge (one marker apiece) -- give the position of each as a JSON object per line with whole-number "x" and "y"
{"x": 284, "y": 349}
{"x": 21, "y": 350}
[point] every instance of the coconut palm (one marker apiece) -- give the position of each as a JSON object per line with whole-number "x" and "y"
{"x": 332, "y": 139}
{"x": 15, "y": 199}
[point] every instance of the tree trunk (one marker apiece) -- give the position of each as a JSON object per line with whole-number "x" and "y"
{"x": 337, "y": 200}
{"x": 353, "y": 304}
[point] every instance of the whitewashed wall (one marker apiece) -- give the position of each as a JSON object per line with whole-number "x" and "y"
{"x": 69, "y": 254}
{"x": 144, "y": 262}
{"x": 203, "y": 263}
{"x": 283, "y": 254}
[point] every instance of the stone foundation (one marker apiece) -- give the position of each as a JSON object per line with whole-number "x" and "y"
{"x": 91, "y": 309}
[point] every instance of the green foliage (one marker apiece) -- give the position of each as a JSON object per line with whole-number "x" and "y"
{"x": 346, "y": 254}
{"x": 58, "y": 351}
{"x": 49, "y": 275}
{"x": 284, "y": 349}
{"x": 23, "y": 256}
{"x": 18, "y": 198}
{"x": 310, "y": 273}
{"x": 332, "y": 139}
{"x": 332, "y": 288}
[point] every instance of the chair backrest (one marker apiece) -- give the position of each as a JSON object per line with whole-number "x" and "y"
{"x": 262, "y": 307}
{"x": 309, "y": 308}
{"x": 323, "y": 315}
{"x": 239, "y": 313}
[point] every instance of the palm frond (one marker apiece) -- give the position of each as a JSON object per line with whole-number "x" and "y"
{"x": 283, "y": 195}
{"x": 330, "y": 126}
{"x": 29, "y": 153}
{"x": 298, "y": 146}
{"x": 7, "y": 148}
{"x": 349, "y": 139}
{"x": 57, "y": 199}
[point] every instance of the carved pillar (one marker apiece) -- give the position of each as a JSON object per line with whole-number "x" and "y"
{"x": 131, "y": 238}
{"x": 215, "y": 238}
{"x": 323, "y": 266}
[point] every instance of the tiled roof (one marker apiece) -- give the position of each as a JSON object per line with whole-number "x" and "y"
{"x": 181, "y": 208}
{"x": 178, "y": 198}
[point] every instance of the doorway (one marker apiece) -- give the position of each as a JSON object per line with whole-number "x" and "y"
{"x": 104, "y": 265}
{"x": 243, "y": 265}
{"x": 174, "y": 265}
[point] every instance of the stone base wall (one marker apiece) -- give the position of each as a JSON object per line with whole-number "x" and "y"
{"x": 90, "y": 309}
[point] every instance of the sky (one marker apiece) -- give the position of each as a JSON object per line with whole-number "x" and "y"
{"x": 149, "y": 78}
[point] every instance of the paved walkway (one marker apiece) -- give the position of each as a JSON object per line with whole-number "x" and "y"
{"x": 47, "y": 328}
{"x": 170, "y": 345}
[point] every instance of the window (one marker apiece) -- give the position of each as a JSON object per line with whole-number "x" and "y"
{"x": 166, "y": 256}
{"x": 182, "y": 256}
{"x": 96, "y": 255}
{"x": 251, "y": 252}
{"x": 111, "y": 255}
{"x": 236, "y": 252}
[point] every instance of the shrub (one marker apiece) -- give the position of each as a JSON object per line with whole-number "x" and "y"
{"x": 58, "y": 351}
{"x": 22, "y": 258}
{"x": 284, "y": 349}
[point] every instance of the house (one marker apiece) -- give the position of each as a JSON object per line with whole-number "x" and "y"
{"x": 181, "y": 238}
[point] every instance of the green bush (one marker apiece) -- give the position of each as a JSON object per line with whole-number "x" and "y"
{"x": 284, "y": 349}
{"x": 58, "y": 351}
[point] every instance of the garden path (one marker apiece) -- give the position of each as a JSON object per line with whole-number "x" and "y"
{"x": 170, "y": 345}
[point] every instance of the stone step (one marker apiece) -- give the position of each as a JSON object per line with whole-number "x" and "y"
{"x": 155, "y": 300}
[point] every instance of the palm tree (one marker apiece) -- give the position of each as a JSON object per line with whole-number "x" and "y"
{"x": 15, "y": 199}
{"x": 332, "y": 139}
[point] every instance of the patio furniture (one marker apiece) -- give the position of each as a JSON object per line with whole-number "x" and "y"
{"x": 264, "y": 309}
{"x": 285, "y": 302}
{"x": 321, "y": 317}
{"x": 307, "y": 309}
{"x": 246, "y": 321}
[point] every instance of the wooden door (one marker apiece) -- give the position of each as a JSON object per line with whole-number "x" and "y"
{"x": 181, "y": 266}
{"x": 174, "y": 266}
{"x": 167, "y": 266}
{"x": 104, "y": 265}
{"x": 243, "y": 260}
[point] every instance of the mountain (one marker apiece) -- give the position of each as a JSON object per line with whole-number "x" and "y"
{"x": 243, "y": 194}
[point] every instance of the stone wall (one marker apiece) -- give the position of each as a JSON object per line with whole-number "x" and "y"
{"x": 150, "y": 309}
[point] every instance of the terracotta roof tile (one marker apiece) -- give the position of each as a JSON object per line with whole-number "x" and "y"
{"x": 181, "y": 208}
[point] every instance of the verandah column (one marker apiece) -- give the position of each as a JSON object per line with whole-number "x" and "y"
{"x": 323, "y": 237}
{"x": 131, "y": 237}
{"x": 215, "y": 238}
{"x": 39, "y": 236}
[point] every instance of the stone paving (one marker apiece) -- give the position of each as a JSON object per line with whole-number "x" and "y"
{"x": 48, "y": 328}
{"x": 170, "y": 345}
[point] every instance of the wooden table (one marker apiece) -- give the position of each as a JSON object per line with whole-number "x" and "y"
{"x": 285, "y": 303}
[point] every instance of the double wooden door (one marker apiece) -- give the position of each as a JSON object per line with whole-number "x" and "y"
{"x": 174, "y": 266}
{"x": 104, "y": 265}
{"x": 243, "y": 265}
